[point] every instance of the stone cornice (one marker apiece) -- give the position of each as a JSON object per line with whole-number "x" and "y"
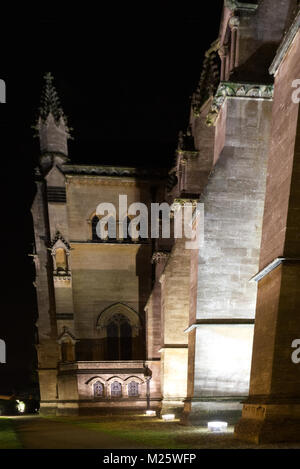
{"x": 237, "y": 90}
{"x": 172, "y": 346}
{"x": 285, "y": 45}
{"x": 85, "y": 180}
{"x": 112, "y": 171}
{"x": 185, "y": 201}
{"x": 103, "y": 371}
{"x": 235, "y": 5}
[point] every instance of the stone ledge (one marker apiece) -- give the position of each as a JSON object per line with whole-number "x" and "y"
{"x": 270, "y": 267}
{"x": 220, "y": 322}
{"x": 240, "y": 91}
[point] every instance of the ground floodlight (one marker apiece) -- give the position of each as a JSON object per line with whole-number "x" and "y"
{"x": 168, "y": 417}
{"x": 217, "y": 426}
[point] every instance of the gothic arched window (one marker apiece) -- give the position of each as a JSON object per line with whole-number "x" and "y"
{"x": 98, "y": 389}
{"x": 116, "y": 389}
{"x": 119, "y": 338}
{"x": 133, "y": 389}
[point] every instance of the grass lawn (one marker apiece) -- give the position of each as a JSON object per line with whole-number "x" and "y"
{"x": 153, "y": 432}
{"x": 8, "y": 437}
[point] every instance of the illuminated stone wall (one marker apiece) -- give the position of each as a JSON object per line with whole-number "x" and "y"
{"x": 97, "y": 276}
{"x": 233, "y": 205}
{"x": 272, "y": 412}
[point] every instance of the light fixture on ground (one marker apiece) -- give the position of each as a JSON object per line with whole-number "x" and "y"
{"x": 217, "y": 427}
{"x": 21, "y": 407}
{"x": 150, "y": 413}
{"x": 168, "y": 417}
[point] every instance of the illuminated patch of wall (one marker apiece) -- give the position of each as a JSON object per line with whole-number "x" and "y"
{"x": 174, "y": 372}
{"x": 223, "y": 360}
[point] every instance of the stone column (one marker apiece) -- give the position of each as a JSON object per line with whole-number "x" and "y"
{"x": 234, "y": 23}
{"x": 47, "y": 348}
{"x": 221, "y": 321}
{"x": 223, "y": 51}
{"x": 175, "y": 285}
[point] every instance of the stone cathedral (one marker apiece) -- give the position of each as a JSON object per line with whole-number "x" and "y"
{"x": 136, "y": 323}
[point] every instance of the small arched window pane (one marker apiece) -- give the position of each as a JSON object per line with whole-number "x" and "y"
{"x": 133, "y": 389}
{"x": 112, "y": 330}
{"x": 95, "y": 222}
{"x": 116, "y": 389}
{"x": 125, "y": 329}
{"x": 98, "y": 389}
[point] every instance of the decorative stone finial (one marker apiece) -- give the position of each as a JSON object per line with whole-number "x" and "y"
{"x": 50, "y": 102}
{"x": 52, "y": 125}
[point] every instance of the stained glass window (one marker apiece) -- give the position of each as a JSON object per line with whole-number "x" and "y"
{"x": 133, "y": 389}
{"x": 98, "y": 389}
{"x": 119, "y": 338}
{"x": 116, "y": 389}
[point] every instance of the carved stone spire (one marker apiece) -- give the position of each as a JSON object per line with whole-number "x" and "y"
{"x": 50, "y": 103}
{"x": 52, "y": 125}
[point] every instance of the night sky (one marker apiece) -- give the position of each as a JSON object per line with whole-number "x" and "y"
{"x": 126, "y": 93}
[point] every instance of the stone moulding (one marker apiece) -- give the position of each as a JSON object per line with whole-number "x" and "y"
{"x": 65, "y": 316}
{"x": 236, "y": 5}
{"x": 62, "y": 279}
{"x": 237, "y": 90}
{"x": 101, "y": 371}
{"x": 220, "y": 322}
{"x": 271, "y": 266}
{"x": 112, "y": 171}
{"x": 66, "y": 334}
{"x": 59, "y": 237}
{"x": 181, "y": 202}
